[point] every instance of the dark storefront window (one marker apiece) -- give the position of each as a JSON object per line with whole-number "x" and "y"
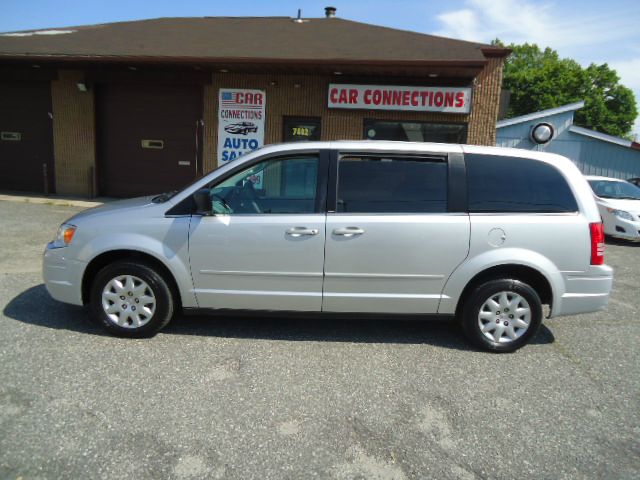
{"x": 415, "y": 131}
{"x": 301, "y": 129}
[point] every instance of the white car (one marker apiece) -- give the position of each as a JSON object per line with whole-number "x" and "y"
{"x": 619, "y": 205}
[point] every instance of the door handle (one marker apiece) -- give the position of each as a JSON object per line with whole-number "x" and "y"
{"x": 299, "y": 231}
{"x": 348, "y": 231}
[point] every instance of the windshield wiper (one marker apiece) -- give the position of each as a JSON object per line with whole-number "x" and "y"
{"x": 163, "y": 197}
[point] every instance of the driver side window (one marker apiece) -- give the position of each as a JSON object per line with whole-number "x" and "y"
{"x": 279, "y": 185}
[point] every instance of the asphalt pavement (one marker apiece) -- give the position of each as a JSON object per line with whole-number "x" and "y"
{"x": 235, "y": 398}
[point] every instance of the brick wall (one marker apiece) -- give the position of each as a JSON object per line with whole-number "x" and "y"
{"x": 301, "y": 95}
{"x": 486, "y": 102}
{"x": 73, "y": 134}
{"x": 286, "y": 95}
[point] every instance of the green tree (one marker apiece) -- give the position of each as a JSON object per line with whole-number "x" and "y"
{"x": 540, "y": 79}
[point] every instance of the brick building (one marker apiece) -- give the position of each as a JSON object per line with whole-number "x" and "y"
{"x": 130, "y": 108}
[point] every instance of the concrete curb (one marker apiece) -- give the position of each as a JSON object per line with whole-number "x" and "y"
{"x": 54, "y": 200}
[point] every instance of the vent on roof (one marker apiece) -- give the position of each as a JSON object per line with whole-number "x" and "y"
{"x": 329, "y": 12}
{"x": 299, "y": 18}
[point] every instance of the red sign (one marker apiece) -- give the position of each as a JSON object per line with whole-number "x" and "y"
{"x": 389, "y": 97}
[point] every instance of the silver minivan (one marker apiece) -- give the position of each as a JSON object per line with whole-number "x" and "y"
{"x": 483, "y": 235}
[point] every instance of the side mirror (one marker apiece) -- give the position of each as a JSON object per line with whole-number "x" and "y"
{"x": 203, "y": 202}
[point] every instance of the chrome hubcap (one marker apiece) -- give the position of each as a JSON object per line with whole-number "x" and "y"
{"x": 128, "y": 301}
{"x": 504, "y": 317}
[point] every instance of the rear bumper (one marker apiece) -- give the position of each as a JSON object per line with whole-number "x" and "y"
{"x": 585, "y": 292}
{"x": 62, "y": 276}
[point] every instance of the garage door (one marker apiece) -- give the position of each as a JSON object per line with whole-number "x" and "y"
{"x": 26, "y": 140}
{"x": 147, "y": 138}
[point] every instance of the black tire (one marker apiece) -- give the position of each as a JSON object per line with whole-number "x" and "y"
{"x": 164, "y": 300}
{"x": 481, "y": 294}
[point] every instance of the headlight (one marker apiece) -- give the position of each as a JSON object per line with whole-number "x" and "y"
{"x": 65, "y": 235}
{"x": 620, "y": 214}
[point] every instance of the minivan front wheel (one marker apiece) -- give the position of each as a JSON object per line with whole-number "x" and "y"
{"x": 131, "y": 299}
{"x": 502, "y": 315}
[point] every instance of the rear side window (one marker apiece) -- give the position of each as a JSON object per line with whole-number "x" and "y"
{"x": 511, "y": 184}
{"x": 392, "y": 185}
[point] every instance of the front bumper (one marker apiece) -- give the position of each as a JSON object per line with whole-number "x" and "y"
{"x": 62, "y": 275}
{"x": 631, "y": 229}
{"x": 584, "y": 292}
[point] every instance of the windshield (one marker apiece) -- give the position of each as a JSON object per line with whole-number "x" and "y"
{"x": 615, "y": 189}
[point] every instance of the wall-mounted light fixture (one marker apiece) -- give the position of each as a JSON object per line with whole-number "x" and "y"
{"x": 82, "y": 86}
{"x": 224, "y": 70}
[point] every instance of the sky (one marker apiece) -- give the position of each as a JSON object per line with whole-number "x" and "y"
{"x": 588, "y": 31}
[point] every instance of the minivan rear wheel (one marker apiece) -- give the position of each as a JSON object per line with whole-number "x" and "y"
{"x": 131, "y": 299}
{"x": 502, "y": 315}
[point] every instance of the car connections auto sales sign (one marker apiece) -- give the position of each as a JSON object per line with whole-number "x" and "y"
{"x": 241, "y": 116}
{"x": 390, "y": 97}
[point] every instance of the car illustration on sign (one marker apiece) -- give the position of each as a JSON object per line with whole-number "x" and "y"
{"x": 241, "y": 128}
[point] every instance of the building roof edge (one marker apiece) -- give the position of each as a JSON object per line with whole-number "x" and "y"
{"x": 542, "y": 113}
{"x": 623, "y": 142}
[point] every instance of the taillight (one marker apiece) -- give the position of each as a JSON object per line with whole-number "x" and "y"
{"x": 597, "y": 243}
